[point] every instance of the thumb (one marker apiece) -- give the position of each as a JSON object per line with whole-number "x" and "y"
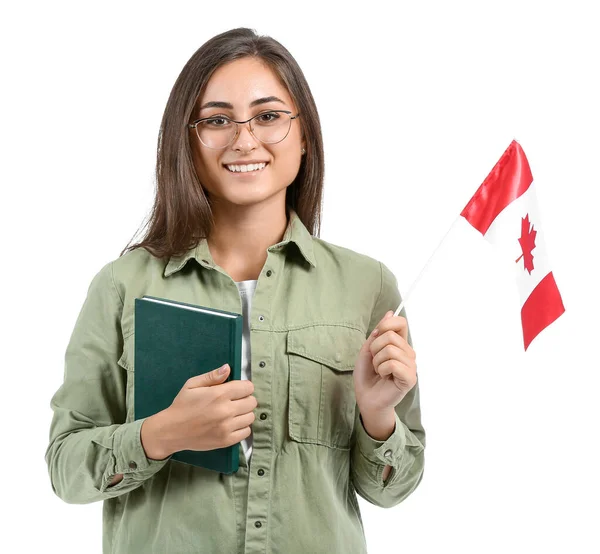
{"x": 213, "y": 377}
{"x": 389, "y": 313}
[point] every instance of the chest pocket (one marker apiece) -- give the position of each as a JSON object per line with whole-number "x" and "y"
{"x": 126, "y": 362}
{"x": 321, "y": 384}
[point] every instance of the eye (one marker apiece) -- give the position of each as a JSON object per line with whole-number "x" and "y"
{"x": 268, "y": 117}
{"x": 216, "y": 121}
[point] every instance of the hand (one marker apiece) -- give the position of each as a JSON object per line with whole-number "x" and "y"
{"x": 385, "y": 369}
{"x": 206, "y": 414}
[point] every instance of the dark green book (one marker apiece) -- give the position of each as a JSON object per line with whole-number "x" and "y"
{"x": 173, "y": 342}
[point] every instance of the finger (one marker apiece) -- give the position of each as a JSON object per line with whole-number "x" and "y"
{"x": 392, "y": 338}
{"x": 392, "y": 352}
{"x": 387, "y": 315}
{"x": 366, "y": 347}
{"x": 406, "y": 375}
{"x": 396, "y": 369}
{"x": 244, "y": 405}
{"x": 396, "y": 323}
{"x": 242, "y": 421}
{"x": 240, "y": 434}
{"x": 238, "y": 388}
{"x": 377, "y": 329}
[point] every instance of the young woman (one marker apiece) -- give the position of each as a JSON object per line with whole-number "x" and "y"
{"x": 326, "y": 408}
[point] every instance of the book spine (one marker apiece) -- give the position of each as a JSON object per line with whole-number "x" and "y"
{"x": 236, "y": 328}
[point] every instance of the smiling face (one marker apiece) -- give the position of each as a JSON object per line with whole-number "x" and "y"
{"x": 231, "y": 90}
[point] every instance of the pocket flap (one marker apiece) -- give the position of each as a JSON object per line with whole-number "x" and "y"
{"x": 126, "y": 359}
{"x": 333, "y": 345}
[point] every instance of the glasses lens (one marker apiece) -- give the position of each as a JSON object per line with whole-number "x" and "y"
{"x": 271, "y": 127}
{"x": 216, "y": 132}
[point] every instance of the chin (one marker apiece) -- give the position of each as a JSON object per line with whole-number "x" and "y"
{"x": 248, "y": 197}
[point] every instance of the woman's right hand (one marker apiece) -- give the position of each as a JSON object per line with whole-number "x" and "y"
{"x": 206, "y": 414}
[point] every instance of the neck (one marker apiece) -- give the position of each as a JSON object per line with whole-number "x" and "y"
{"x": 241, "y": 235}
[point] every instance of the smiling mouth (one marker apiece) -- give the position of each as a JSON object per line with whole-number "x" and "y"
{"x": 244, "y": 169}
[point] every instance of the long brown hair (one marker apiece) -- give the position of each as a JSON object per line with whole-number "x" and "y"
{"x": 181, "y": 214}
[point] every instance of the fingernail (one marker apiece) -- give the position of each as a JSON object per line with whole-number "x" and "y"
{"x": 375, "y": 332}
{"x": 223, "y": 369}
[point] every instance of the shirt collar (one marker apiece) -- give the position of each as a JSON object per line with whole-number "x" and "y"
{"x": 295, "y": 231}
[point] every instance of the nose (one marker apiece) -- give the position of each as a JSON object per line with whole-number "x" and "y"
{"x": 245, "y": 140}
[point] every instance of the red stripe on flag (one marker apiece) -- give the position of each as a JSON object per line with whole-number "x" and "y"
{"x": 509, "y": 179}
{"x": 542, "y": 307}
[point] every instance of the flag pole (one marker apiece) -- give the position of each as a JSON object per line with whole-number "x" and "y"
{"x": 405, "y": 298}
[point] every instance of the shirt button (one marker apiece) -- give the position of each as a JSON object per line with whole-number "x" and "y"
{"x": 257, "y": 524}
{"x": 388, "y": 454}
{"x": 338, "y": 357}
{"x": 261, "y": 472}
{"x": 132, "y": 465}
{"x": 261, "y": 318}
{"x": 263, "y": 416}
{"x": 269, "y": 273}
{"x": 262, "y": 364}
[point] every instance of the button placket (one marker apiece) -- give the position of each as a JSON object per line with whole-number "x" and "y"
{"x": 259, "y": 487}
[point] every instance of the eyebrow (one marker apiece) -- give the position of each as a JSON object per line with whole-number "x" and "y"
{"x": 218, "y": 104}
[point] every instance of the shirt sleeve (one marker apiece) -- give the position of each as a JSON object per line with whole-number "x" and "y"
{"x": 89, "y": 440}
{"x": 404, "y": 450}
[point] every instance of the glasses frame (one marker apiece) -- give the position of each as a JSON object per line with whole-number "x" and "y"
{"x": 194, "y": 125}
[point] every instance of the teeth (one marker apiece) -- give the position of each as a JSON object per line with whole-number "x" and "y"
{"x": 245, "y": 168}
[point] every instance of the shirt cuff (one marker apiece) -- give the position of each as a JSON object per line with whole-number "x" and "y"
{"x": 388, "y": 452}
{"x": 129, "y": 454}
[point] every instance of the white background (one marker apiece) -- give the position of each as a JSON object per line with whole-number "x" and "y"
{"x": 418, "y": 100}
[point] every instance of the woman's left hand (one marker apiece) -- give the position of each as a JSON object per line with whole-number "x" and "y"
{"x": 385, "y": 369}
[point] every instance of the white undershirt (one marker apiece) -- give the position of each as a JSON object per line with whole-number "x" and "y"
{"x": 246, "y": 290}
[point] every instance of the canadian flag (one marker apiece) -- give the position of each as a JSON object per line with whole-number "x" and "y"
{"x": 504, "y": 210}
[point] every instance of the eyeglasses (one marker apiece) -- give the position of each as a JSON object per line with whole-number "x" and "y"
{"x": 219, "y": 131}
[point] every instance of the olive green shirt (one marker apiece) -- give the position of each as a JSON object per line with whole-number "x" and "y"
{"x": 314, "y": 305}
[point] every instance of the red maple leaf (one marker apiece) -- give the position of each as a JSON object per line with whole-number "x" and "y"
{"x": 527, "y": 242}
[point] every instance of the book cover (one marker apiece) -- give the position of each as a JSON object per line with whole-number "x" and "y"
{"x": 173, "y": 342}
